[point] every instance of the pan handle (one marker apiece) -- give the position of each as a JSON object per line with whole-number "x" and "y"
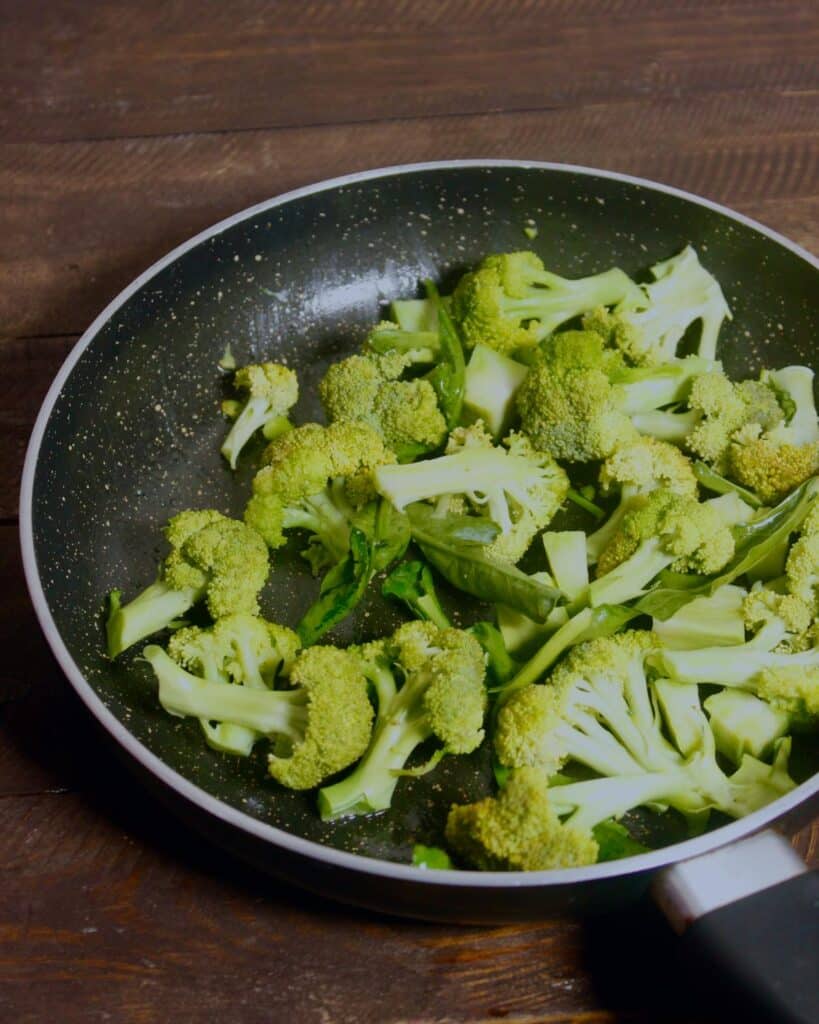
{"x": 751, "y": 910}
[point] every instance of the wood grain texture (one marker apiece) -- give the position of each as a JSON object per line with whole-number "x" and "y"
{"x": 94, "y": 70}
{"x": 126, "y": 128}
{"x": 79, "y": 220}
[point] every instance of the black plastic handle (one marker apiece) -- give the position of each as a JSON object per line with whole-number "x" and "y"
{"x": 767, "y": 946}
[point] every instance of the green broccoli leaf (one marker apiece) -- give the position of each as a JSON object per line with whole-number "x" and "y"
{"x": 341, "y": 590}
{"x": 412, "y": 583}
{"x": 615, "y": 841}
{"x": 391, "y": 535}
{"x": 500, "y": 666}
{"x": 431, "y": 858}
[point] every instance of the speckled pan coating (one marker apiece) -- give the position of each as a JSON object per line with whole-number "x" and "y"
{"x": 133, "y": 435}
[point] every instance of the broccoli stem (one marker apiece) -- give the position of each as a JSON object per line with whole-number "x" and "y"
{"x": 733, "y": 666}
{"x": 597, "y": 542}
{"x": 149, "y": 612}
{"x": 322, "y": 517}
{"x": 560, "y": 299}
{"x": 629, "y": 578}
{"x": 269, "y": 712}
{"x": 595, "y": 800}
{"x": 647, "y": 388}
{"x": 252, "y": 418}
{"x": 558, "y": 642}
{"x": 673, "y": 427}
{"x": 370, "y": 786}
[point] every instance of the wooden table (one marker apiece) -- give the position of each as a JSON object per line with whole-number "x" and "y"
{"x": 126, "y": 127}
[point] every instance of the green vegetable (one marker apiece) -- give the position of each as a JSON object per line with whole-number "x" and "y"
{"x": 431, "y": 858}
{"x": 465, "y": 565}
{"x": 341, "y": 590}
{"x": 449, "y": 376}
{"x": 213, "y": 559}
{"x": 272, "y": 390}
{"x": 412, "y": 583}
{"x": 491, "y": 382}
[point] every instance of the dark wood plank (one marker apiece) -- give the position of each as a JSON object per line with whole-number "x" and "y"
{"x": 80, "y": 220}
{"x": 27, "y": 367}
{"x": 113, "y": 69}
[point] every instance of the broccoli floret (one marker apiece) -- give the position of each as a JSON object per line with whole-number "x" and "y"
{"x": 771, "y": 469}
{"x": 511, "y": 302}
{"x": 428, "y": 682}
{"x": 579, "y": 399}
{"x": 518, "y": 830}
{"x": 241, "y": 649}
{"x": 369, "y": 389}
{"x": 272, "y": 390}
{"x": 320, "y": 725}
{"x": 664, "y": 529}
{"x": 648, "y": 329}
{"x": 212, "y": 558}
{"x": 788, "y": 680}
{"x": 317, "y": 479}
{"x": 634, "y": 470}
{"x": 599, "y": 710}
{"x": 519, "y": 488}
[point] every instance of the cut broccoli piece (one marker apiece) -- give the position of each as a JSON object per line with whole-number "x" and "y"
{"x": 632, "y": 471}
{"x": 649, "y": 329}
{"x": 519, "y": 488}
{"x": 512, "y": 302}
{"x": 428, "y": 683}
{"x": 717, "y": 620}
{"x": 566, "y": 552}
{"x": 212, "y": 558}
{"x": 744, "y": 724}
{"x": 666, "y": 529}
{"x": 321, "y": 725}
{"x": 318, "y": 479}
{"x": 579, "y": 399}
{"x": 238, "y": 649}
{"x": 272, "y": 390}
{"x": 370, "y": 389}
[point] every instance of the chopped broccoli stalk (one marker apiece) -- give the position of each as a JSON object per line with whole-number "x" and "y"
{"x": 321, "y": 725}
{"x": 679, "y": 704}
{"x": 716, "y": 620}
{"x": 149, "y": 612}
{"x": 428, "y": 684}
{"x": 566, "y": 552}
{"x": 673, "y": 427}
{"x": 212, "y": 558}
{"x": 415, "y": 314}
{"x": 511, "y": 301}
{"x": 491, "y": 382}
{"x": 744, "y": 724}
{"x": 272, "y": 390}
{"x": 412, "y": 583}
{"x": 418, "y": 346}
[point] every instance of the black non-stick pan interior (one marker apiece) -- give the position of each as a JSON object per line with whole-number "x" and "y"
{"x": 134, "y": 435}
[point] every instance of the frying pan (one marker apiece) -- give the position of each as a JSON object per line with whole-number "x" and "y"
{"x": 129, "y": 433}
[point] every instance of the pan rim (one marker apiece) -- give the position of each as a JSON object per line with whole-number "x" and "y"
{"x": 183, "y": 787}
